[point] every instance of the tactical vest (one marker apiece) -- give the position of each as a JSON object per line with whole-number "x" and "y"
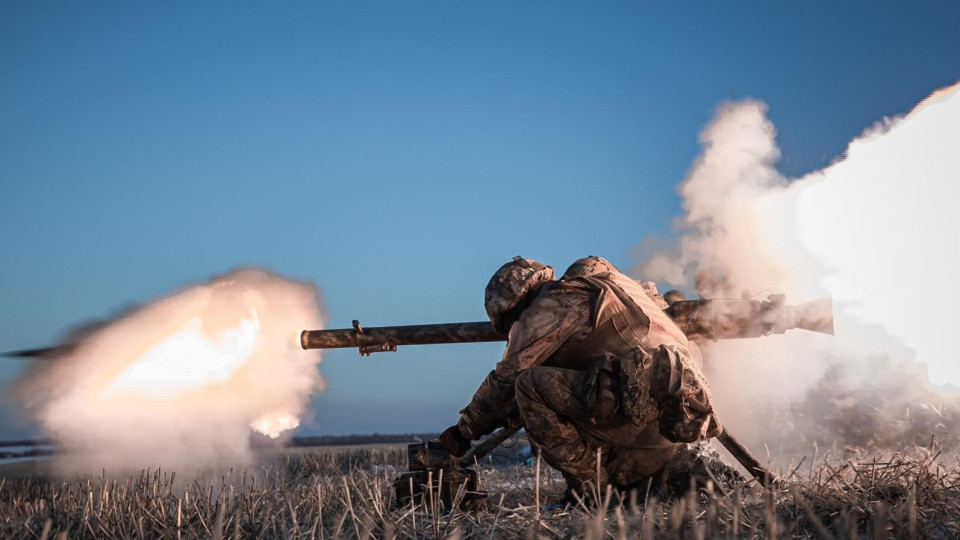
{"x": 633, "y": 337}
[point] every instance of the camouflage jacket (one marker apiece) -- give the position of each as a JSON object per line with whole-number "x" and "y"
{"x": 562, "y": 315}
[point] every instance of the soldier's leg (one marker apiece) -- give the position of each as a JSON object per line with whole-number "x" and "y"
{"x": 552, "y": 406}
{"x": 639, "y": 455}
{"x": 571, "y": 414}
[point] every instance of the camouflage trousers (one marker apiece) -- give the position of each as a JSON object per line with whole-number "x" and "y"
{"x": 571, "y": 415}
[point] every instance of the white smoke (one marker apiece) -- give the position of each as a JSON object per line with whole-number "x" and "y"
{"x": 875, "y": 230}
{"x": 181, "y": 382}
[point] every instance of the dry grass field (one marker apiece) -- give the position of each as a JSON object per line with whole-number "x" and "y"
{"x": 348, "y": 493}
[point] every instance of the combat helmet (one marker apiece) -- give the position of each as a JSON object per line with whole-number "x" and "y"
{"x": 509, "y": 287}
{"x": 590, "y": 265}
{"x": 674, "y": 295}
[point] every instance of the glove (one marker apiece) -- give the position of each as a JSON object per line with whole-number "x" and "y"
{"x": 454, "y": 442}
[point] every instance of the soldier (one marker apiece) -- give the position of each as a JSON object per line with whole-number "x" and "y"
{"x": 602, "y": 377}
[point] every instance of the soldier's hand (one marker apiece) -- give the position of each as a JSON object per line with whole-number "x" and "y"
{"x": 454, "y": 442}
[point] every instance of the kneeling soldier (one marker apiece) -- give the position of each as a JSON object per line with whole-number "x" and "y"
{"x": 595, "y": 367}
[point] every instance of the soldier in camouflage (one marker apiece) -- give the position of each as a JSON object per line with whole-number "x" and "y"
{"x": 602, "y": 377}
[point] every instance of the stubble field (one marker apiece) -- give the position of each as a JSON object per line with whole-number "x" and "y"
{"x": 348, "y": 493}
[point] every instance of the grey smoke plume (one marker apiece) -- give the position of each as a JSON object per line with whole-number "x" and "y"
{"x": 180, "y": 383}
{"x": 872, "y": 230}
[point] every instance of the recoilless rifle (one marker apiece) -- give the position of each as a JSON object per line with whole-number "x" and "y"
{"x": 703, "y": 319}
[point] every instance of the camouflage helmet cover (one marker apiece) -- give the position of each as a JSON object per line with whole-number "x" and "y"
{"x": 510, "y": 284}
{"x": 590, "y": 265}
{"x": 674, "y": 295}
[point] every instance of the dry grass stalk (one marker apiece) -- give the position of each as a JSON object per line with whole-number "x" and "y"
{"x": 349, "y": 494}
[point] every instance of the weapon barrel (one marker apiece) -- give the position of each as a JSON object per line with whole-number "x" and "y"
{"x": 418, "y": 334}
{"x": 699, "y": 319}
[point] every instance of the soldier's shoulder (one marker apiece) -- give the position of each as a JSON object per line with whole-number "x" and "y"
{"x": 564, "y": 289}
{"x": 551, "y": 310}
{"x": 551, "y": 304}
{"x": 557, "y": 299}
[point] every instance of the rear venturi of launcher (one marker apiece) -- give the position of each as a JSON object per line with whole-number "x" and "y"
{"x": 721, "y": 318}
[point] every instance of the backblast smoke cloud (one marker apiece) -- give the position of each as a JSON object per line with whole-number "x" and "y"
{"x": 181, "y": 382}
{"x": 876, "y": 230}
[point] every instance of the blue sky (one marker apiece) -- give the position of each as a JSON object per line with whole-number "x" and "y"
{"x": 396, "y": 153}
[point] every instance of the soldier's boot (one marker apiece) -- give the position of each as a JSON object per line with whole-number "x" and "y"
{"x": 587, "y": 495}
{"x": 693, "y": 468}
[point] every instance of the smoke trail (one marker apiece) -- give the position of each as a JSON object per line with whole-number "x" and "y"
{"x": 868, "y": 229}
{"x": 180, "y": 383}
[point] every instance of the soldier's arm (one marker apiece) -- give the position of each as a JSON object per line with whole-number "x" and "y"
{"x": 541, "y": 330}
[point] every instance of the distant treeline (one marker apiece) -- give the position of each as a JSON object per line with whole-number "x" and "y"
{"x": 27, "y": 453}
{"x": 323, "y": 440}
{"x": 376, "y": 438}
{"x": 26, "y": 442}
